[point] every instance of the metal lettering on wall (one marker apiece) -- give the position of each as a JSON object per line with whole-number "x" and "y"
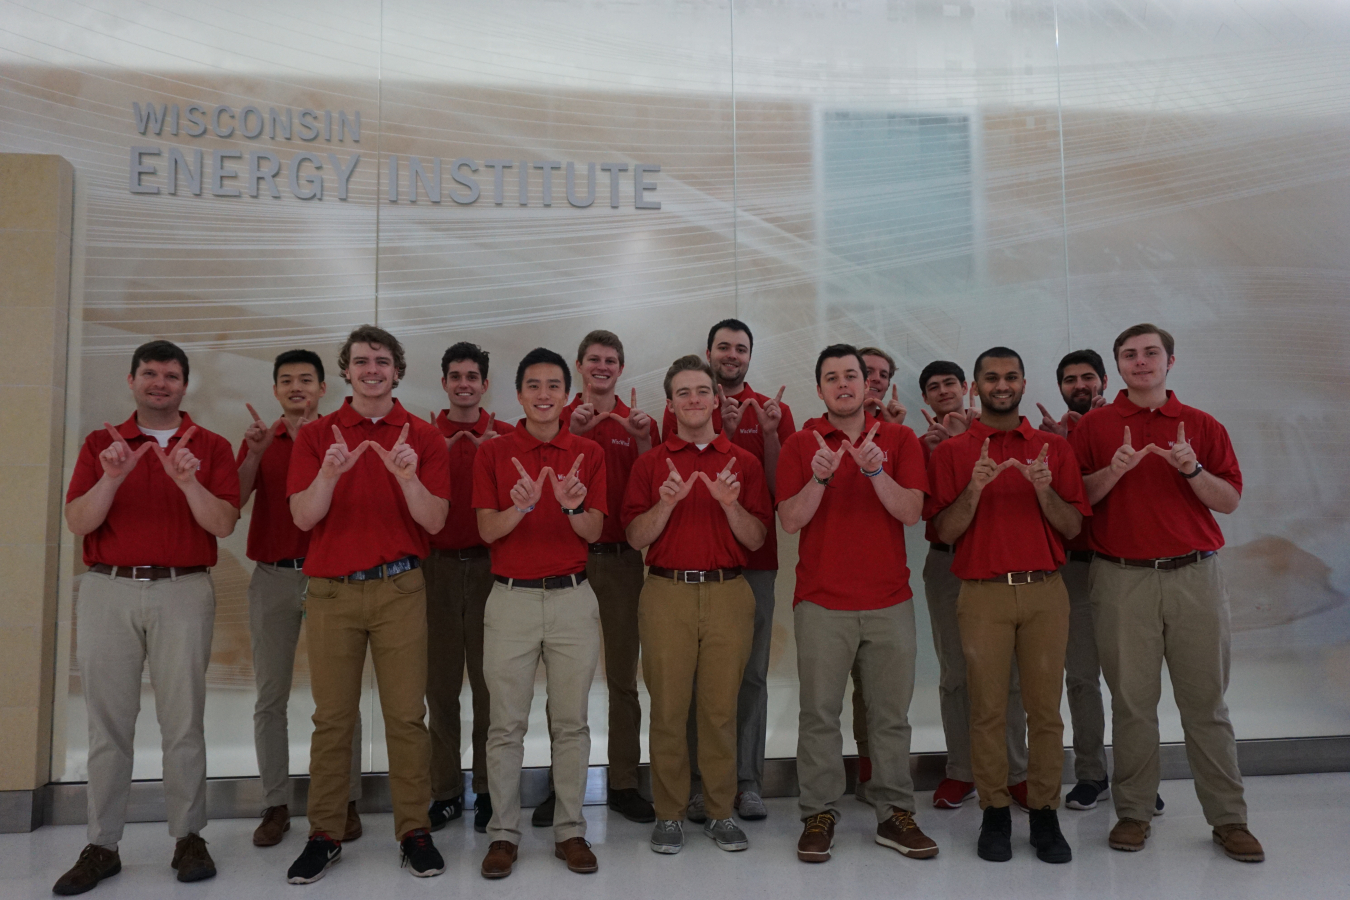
{"x": 153, "y": 171}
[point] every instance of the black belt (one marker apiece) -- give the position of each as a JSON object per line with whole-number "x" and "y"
{"x": 384, "y": 570}
{"x": 1081, "y": 555}
{"x": 462, "y": 553}
{"x": 1164, "y": 563}
{"x": 297, "y": 563}
{"x": 1016, "y": 578}
{"x": 551, "y": 583}
{"x": 942, "y": 548}
{"x": 147, "y": 573}
{"x": 696, "y": 576}
{"x": 617, "y": 547}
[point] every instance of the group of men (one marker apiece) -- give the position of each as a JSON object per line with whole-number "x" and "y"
{"x": 467, "y": 543}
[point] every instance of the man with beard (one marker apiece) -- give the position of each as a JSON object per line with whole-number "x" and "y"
{"x": 1007, "y": 528}
{"x": 847, "y": 615}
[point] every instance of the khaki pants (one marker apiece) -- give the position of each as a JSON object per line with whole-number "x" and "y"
{"x": 1083, "y": 678}
{"x": 341, "y": 619}
{"x": 120, "y": 625}
{"x": 616, "y": 579}
{"x": 521, "y": 627}
{"x": 457, "y": 592}
{"x": 703, "y": 632}
{"x": 830, "y": 642}
{"x": 1030, "y": 621}
{"x": 942, "y": 588}
{"x": 1143, "y": 617}
{"x": 276, "y": 609}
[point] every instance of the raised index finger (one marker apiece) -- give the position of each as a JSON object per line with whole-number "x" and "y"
{"x": 778, "y": 398}
{"x": 254, "y": 413}
{"x": 820, "y": 440}
{"x": 871, "y": 434}
{"x": 519, "y": 468}
{"x": 337, "y": 436}
{"x": 576, "y": 464}
{"x": 1181, "y": 432}
{"x": 117, "y": 438}
{"x": 984, "y": 451}
{"x": 187, "y": 436}
{"x": 633, "y": 401}
{"x": 731, "y": 464}
{"x": 1045, "y": 451}
{"x": 1128, "y": 442}
{"x": 403, "y": 435}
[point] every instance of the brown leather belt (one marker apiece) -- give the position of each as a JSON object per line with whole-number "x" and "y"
{"x": 1165, "y": 563}
{"x": 942, "y": 548}
{"x": 1081, "y": 555}
{"x": 551, "y": 583}
{"x": 1015, "y": 578}
{"x": 479, "y": 552}
{"x": 618, "y": 547}
{"x": 696, "y": 576}
{"x": 147, "y": 573}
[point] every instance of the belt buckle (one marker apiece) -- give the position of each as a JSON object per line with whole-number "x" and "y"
{"x": 1016, "y": 579}
{"x": 134, "y": 577}
{"x": 684, "y": 576}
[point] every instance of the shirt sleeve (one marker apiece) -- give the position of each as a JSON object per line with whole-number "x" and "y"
{"x": 786, "y": 428}
{"x": 908, "y": 467}
{"x": 1218, "y": 455}
{"x": 794, "y": 468}
{"x": 306, "y": 460}
{"x": 942, "y": 480}
{"x": 1068, "y": 479}
{"x": 485, "y": 495}
{"x": 637, "y": 497}
{"x": 243, "y": 452}
{"x": 224, "y": 477}
{"x": 433, "y": 463}
{"x": 87, "y": 470}
{"x": 597, "y": 482}
{"x": 755, "y": 491}
{"x": 1080, "y": 440}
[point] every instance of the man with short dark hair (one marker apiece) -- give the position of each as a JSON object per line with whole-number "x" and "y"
{"x": 1007, "y": 528}
{"x": 540, "y": 498}
{"x": 149, "y": 529}
{"x": 459, "y": 579}
{"x": 276, "y": 590}
{"x": 700, "y": 504}
{"x": 370, "y": 483}
{"x": 1156, "y": 472}
{"x": 943, "y": 385}
{"x": 847, "y": 615}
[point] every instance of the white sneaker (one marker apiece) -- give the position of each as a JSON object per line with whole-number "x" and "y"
{"x": 750, "y": 806}
{"x": 695, "y": 811}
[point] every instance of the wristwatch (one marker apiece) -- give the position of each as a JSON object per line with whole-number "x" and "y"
{"x": 574, "y": 512}
{"x": 819, "y": 480}
{"x": 1198, "y": 469}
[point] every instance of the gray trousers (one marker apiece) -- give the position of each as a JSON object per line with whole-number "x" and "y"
{"x": 942, "y": 588}
{"x": 1083, "y": 678}
{"x": 522, "y": 627}
{"x": 882, "y": 641}
{"x": 752, "y": 706}
{"x": 120, "y": 625}
{"x": 276, "y": 609}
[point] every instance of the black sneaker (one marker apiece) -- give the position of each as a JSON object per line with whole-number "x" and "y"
{"x": 542, "y": 817}
{"x": 320, "y": 852}
{"x": 420, "y": 855}
{"x": 995, "y": 842}
{"x": 1047, "y": 838}
{"x": 628, "y": 803}
{"x": 482, "y": 812}
{"x": 1085, "y": 794}
{"x": 442, "y": 812}
{"x": 1158, "y": 805}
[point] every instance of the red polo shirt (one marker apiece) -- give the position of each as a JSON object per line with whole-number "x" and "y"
{"x": 1009, "y": 533}
{"x": 150, "y": 522}
{"x": 461, "y": 526}
{"x": 851, "y": 524}
{"x": 1081, "y": 542}
{"x": 272, "y": 534}
{"x": 621, "y": 452}
{"x": 1152, "y": 512}
{"x": 697, "y": 535}
{"x": 748, "y": 435}
{"x": 544, "y": 543}
{"x": 368, "y": 522}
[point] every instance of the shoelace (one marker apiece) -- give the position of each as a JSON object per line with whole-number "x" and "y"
{"x": 420, "y": 840}
{"x": 819, "y": 823}
{"x": 903, "y": 820}
{"x": 668, "y": 825}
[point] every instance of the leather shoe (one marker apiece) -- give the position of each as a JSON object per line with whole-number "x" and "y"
{"x": 628, "y": 803}
{"x": 1239, "y": 843}
{"x": 276, "y": 821}
{"x": 95, "y": 864}
{"x": 578, "y": 854}
{"x": 500, "y": 857}
{"x": 192, "y": 860}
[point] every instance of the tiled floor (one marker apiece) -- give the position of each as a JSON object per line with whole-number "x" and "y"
{"x": 1303, "y": 820}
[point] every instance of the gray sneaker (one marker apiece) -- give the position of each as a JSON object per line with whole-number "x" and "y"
{"x": 727, "y": 834}
{"x": 750, "y": 806}
{"x": 695, "y": 811}
{"x": 667, "y": 836}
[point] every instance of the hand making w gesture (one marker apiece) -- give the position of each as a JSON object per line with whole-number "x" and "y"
{"x": 770, "y": 414}
{"x": 119, "y": 459}
{"x": 892, "y": 410}
{"x": 568, "y": 489}
{"x": 732, "y": 410}
{"x": 400, "y": 459}
{"x": 1182, "y": 454}
{"x": 1037, "y": 471}
{"x": 339, "y": 458}
{"x": 826, "y": 461}
{"x": 179, "y": 463}
{"x": 866, "y": 454}
{"x": 1126, "y": 458}
{"x": 957, "y": 422}
{"x": 726, "y": 487}
{"x": 526, "y": 492}
{"x": 637, "y": 423}
{"x": 986, "y": 470}
{"x": 674, "y": 488}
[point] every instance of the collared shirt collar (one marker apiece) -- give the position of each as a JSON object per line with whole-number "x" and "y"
{"x": 563, "y": 439}
{"x": 721, "y": 443}
{"x": 1126, "y": 407}
{"x": 620, "y": 408}
{"x": 745, "y": 389}
{"x": 979, "y": 429}
{"x": 826, "y": 428}
{"x": 348, "y": 416}
{"x": 132, "y": 429}
{"x": 478, "y": 428}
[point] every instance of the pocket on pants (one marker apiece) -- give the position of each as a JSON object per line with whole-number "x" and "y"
{"x": 322, "y": 589}
{"x": 409, "y": 582}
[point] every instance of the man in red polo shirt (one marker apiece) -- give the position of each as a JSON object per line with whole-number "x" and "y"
{"x": 149, "y": 528}
{"x": 1008, "y": 529}
{"x": 541, "y": 500}
{"x": 880, "y": 367}
{"x": 1156, "y": 472}
{"x": 850, "y": 495}
{"x": 459, "y": 579}
{"x": 760, "y": 424}
{"x": 276, "y": 591}
{"x": 700, "y": 503}
{"x": 944, "y": 388}
{"x": 369, "y": 483}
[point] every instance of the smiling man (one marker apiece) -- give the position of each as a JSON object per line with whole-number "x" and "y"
{"x": 1156, "y": 472}
{"x": 149, "y": 529}
{"x": 850, "y": 494}
{"x": 540, "y": 497}
{"x": 370, "y": 483}
{"x": 1008, "y": 530}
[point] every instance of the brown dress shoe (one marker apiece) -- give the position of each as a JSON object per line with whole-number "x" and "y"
{"x": 352, "y": 831}
{"x": 191, "y": 859}
{"x": 500, "y": 857}
{"x": 95, "y": 864}
{"x": 1128, "y": 835}
{"x": 901, "y": 832}
{"x": 817, "y": 838}
{"x": 276, "y": 821}
{"x": 578, "y": 854}
{"x": 1239, "y": 843}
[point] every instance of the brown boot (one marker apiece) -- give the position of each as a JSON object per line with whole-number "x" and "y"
{"x": 1239, "y": 843}
{"x": 353, "y": 830}
{"x": 191, "y": 859}
{"x": 276, "y": 821}
{"x": 578, "y": 854}
{"x": 900, "y": 832}
{"x": 95, "y": 864}
{"x": 500, "y": 857}
{"x": 817, "y": 838}
{"x": 1128, "y": 835}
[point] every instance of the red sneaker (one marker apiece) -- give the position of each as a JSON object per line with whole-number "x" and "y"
{"x": 950, "y": 794}
{"x": 1019, "y": 795}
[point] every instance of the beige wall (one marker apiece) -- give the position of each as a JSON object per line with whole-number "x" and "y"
{"x": 36, "y": 203}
